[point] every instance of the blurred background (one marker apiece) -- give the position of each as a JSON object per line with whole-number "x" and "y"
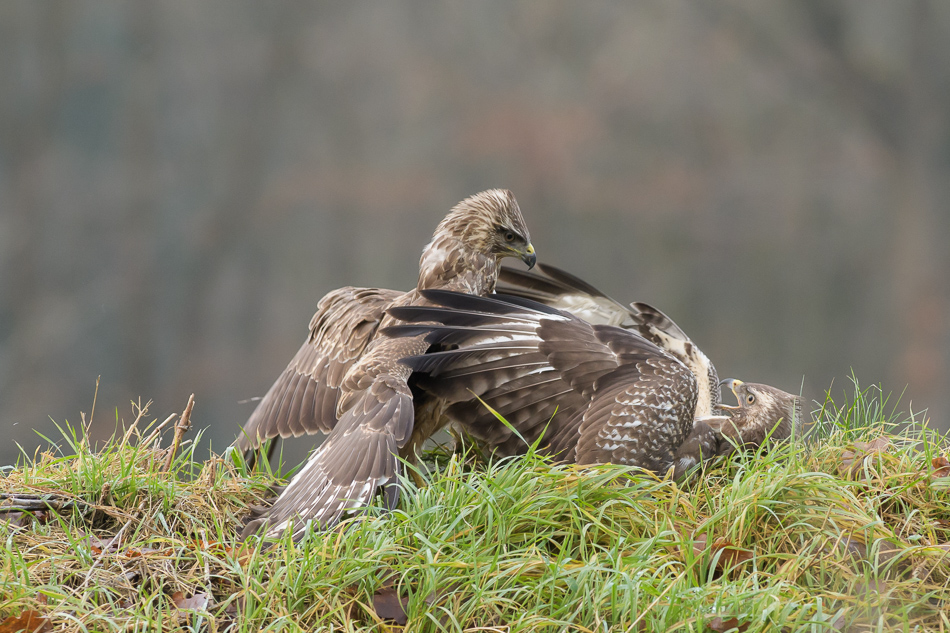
{"x": 181, "y": 182}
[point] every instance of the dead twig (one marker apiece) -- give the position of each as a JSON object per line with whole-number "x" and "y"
{"x": 181, "y": 427}
{"x": 157, "y": 431}
{"x": 85, "y": 424}
{"x": 141, "y": 413}
{"x": 14, "y": 502}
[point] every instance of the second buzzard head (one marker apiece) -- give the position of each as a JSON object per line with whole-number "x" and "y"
{"x": 762, "y": 412}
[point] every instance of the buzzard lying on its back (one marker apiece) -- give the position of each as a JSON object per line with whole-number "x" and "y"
{"x": 346, "y": 380}
{"x": 559, "y": 289}
{"x": 598, "y": 393}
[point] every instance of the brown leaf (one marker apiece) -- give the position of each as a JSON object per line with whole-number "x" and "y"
{"x": 199, "y": 601}
{"x": 26, "y": 622}
{"x": 98, "y": 546}
{"x": 731, "y": 555}
{"x": 16, "y": 519}
{"x": 941, "y": 467}
{"x": 389, "y": 606}
{"x": 852, "y": 461}
{"x": 865, "y": 590}
{"x": 242, "y": 554}
{"x": 699, "y": 543}
{"x": 719, "y": 625}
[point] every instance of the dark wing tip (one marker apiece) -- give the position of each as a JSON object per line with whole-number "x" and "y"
{"x": 570, "y": 280}
{"x": 494, "y": 304}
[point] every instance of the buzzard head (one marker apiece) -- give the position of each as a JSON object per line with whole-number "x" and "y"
{"x": 762, "y": 412}
{"x": 490, "y": 223}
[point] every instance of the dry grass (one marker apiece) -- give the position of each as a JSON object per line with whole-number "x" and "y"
{"x": 849, "y": 531}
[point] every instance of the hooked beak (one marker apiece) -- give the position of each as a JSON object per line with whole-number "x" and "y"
{"x": 529, "y": 257}
{"x": 732, "y": 383}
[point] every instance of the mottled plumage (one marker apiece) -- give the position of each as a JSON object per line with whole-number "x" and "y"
{"x": 618, "y": 397}
{"x": 348, "y": 381}
{"x": 303, "y": 400}
{"x": 747, "y": 424}
{"x": 559, "y": 289}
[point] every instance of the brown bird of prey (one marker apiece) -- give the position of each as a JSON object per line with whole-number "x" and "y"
{"x": 598, "y": 393}
{"x": 749, "y": 424}
{"x": 559, "y": 289}
{"x": 347, "y": 379}
{"x": 562, "y": 290}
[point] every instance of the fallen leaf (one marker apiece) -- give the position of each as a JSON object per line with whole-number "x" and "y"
{"x": 26, "y": 622}
{"x": 242, "y": 554}
{"x": 699, "y": 543}
{"x": 719, "y": 625}
{"x": 389, "y": 606}
{"x": 731, "y": 555}
{"x": 98, "y": 546}
{"x": 199, "y": 601}
{"x": 941, "y": 467}
{"x": 852, "y": 461}
{"x": 866, "y": 589}
{"x": 728, "y": 554}
{"x": 16, "y": 519}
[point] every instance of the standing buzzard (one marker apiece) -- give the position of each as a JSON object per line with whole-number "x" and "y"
{"x": 347, "y": 379}
{"x": 598, "y": 393}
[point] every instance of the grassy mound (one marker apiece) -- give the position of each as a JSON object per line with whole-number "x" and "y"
{"x": 848, "y": 531}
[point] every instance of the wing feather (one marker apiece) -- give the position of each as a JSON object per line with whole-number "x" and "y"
{"x": 303, "y": 400}
{"x": 360, "y": 455}
{"x": 620, "y": 398}
{"x": 560, "y": 289}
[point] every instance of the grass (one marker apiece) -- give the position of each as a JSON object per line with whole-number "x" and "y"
{"x": 847, "y": 531}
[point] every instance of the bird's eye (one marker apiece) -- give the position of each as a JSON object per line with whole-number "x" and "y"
{"x": 509, "y": 237}
{"x": 750, "y": 399}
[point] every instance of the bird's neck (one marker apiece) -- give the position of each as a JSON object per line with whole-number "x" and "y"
{"x": 447, "y": 263}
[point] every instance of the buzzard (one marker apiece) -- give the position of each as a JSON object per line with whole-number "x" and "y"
{"x": 599, "y": 393}
{"x": 763, "y": 411}
{"x": 346, "y": 379}
{"x": 560, "y": 289}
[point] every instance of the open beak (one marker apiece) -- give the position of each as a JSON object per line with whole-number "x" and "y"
{"x": 529, "y": 257}
{"x": 732, "y": 383}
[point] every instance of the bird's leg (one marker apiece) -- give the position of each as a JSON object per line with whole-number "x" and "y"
{"x": 416, "y": 477}
{"x": 411, "y": 456}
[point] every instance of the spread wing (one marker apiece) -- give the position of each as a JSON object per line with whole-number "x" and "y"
{"x": 618, "y": 397}
{"x": 359, "y": 456}
{"x": 560, "y": 289}
{"x": 303, "y": 400}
